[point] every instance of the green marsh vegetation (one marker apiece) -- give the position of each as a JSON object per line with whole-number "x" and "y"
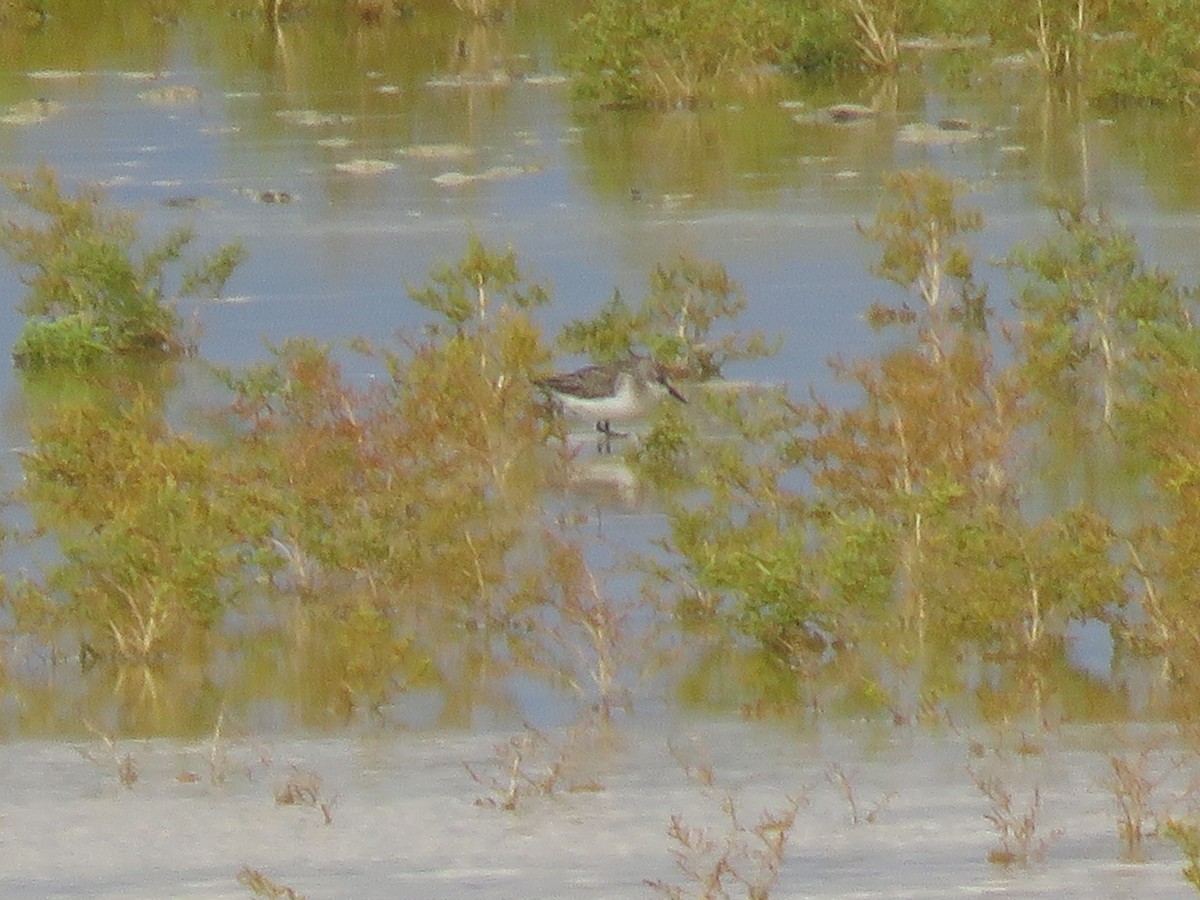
{"x": 23, "y": 14}
{"x": 948, "y": 516}
{"x": 941, "y": 522}
{"x": 349, "y": 539}
{"x": 329, "y": 542}
{"x": 276, "y": 13}
{"x": 370, "y": 534}
{"x": 667, "y": 53}
{"x": 91, "y": 293}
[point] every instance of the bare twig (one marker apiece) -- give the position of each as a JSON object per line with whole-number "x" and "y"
{"x": 123, "y": 765}
{"x": 1017, "y": 828}
{"x": 858, "y": 816}
{"x": 304, "y": 787}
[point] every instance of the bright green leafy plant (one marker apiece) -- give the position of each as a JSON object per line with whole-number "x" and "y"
{"x": 91, "y": 294}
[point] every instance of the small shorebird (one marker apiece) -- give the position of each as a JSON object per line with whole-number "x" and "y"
{"x": 622, "y": 390}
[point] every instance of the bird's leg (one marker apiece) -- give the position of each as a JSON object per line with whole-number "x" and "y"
{"x": 605, "y": 428}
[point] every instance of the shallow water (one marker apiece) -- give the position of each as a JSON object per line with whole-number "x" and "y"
{"x": 267, "y": 141}
{"x": 405, "y": 820}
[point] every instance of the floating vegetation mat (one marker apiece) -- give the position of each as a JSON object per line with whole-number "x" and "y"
{"x": 547, "y": 79}
{"x": 171, "y": 96}
{"x": 437, "y": 151}
{"x": 142, "y": 75}
{"x": 495, "y": 173}
{"x": 950, "y": 131}
{"x": 31, "y": 112}
{"x": 311, "y": 118}
{"x": 56, "y": 74}
{"x": 495, "y": 78}
{"x": 365, "y": 166}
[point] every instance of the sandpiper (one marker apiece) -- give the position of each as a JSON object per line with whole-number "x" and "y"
{"x": 622, "y": 390}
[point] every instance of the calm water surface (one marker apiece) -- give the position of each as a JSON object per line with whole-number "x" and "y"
{"x": 591, "y": 200}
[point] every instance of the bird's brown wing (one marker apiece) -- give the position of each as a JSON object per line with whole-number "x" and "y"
{"x": 589, "y": 382}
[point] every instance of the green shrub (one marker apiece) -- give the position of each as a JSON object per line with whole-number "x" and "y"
{"x": 149, "y": 528}
{"x": 1159, "y": 63}
{"x": 90, "y": 293}
{"x": 821, "y": 38}
{"x": 663, "y": 53}
{"x": 72, "y": 341}
{"x": 899, "y": 514}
